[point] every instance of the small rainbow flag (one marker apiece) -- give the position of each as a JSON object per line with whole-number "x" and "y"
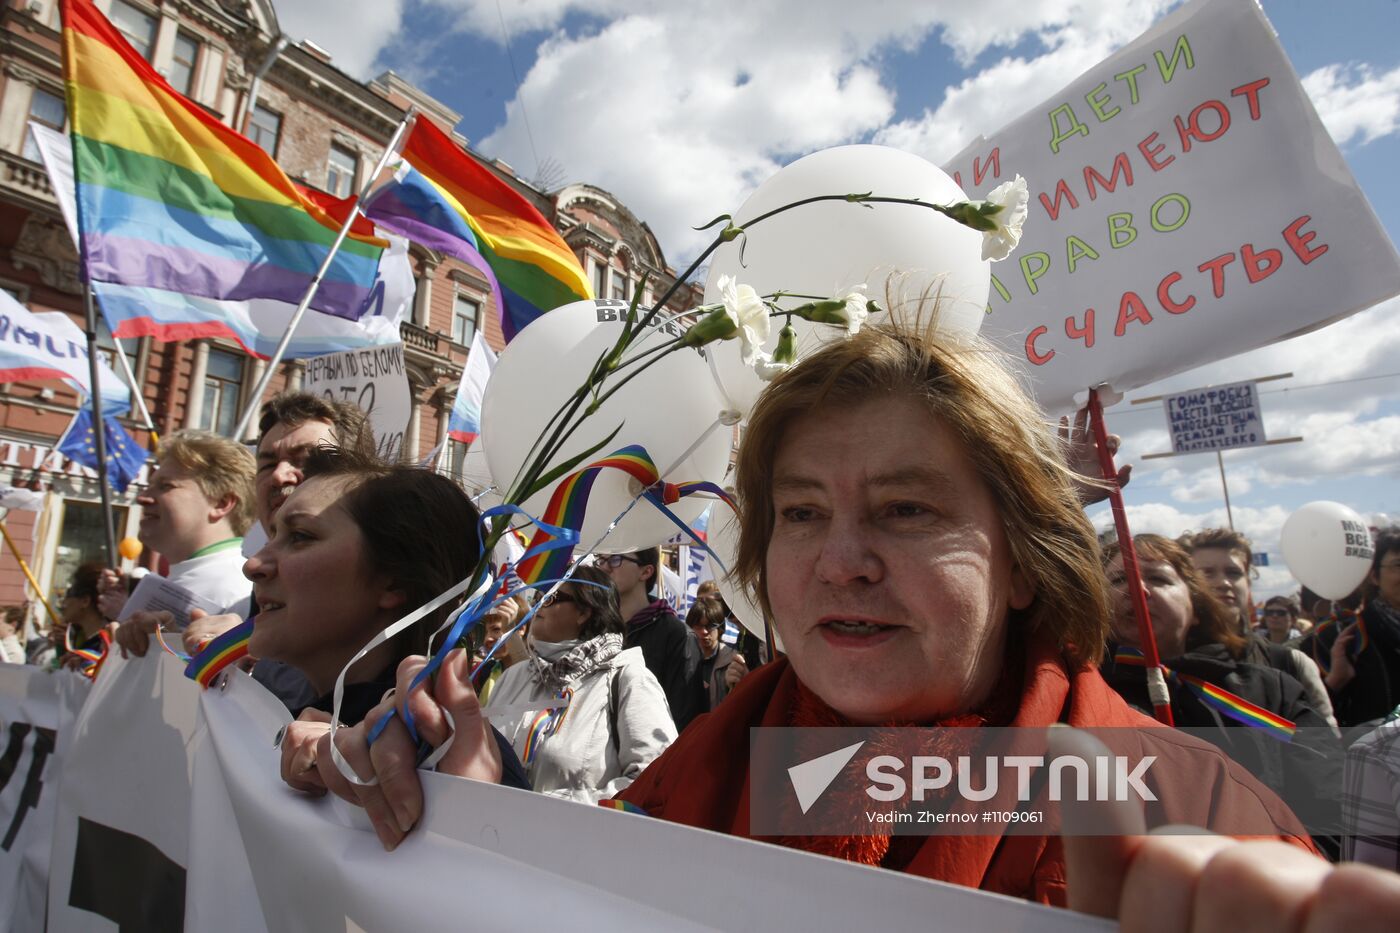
{"x": 228, "y": 648}
{"x": 444, "y": 199}
{"x": 171, "y": 199}
{"x": 624, "y": 806}
{"x": 1219, "y": 699}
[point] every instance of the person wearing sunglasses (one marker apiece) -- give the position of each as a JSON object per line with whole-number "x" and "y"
{"x": 584, "y": 714}
{"x": 721, "y": 667}
{"x": 1281, "y": 620}
{"x": 671, "y": 651}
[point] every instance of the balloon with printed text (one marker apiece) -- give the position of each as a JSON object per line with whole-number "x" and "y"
{"x": 909, "y": 258}
{"x": 670, "y": 409}
{"x": 1328, "y": 548}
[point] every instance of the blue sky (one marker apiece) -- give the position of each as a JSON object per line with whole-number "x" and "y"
{"x": 682, "y": 109}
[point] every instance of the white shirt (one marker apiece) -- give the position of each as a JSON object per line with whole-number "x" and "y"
{"x": 216, "y": 573}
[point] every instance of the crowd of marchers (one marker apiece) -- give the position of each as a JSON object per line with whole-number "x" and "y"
{"x": 915, "y": 536}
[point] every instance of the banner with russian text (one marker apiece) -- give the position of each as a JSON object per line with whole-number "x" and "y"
{"x": 1187, "y": 205}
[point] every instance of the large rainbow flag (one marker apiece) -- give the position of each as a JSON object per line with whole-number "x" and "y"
{"x": 171, "y": 199}
{"x": 444, "y": 199}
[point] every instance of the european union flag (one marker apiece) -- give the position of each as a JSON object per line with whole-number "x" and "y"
{"x": 125, "y": 456}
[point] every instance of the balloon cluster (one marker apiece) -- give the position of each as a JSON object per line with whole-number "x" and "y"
{"x": 793, "y": 241}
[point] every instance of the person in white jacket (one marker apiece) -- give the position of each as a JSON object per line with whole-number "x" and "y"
{"x": 585, "y": 716}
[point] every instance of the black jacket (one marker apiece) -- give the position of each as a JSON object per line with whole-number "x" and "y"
{"x": 1306, "y": 772}
{"x": 713, "y": 686}
{"x": 672, "y": 654}
{"x": 1375, "y": 690}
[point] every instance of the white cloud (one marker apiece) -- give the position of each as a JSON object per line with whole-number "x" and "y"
{"x": 1355, "y": 102}
{"x": 352, "y": 31}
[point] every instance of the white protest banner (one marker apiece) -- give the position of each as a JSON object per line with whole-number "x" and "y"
{"x": 1187, "y": 205}
{"x": 546, "y": 862}
{"x": 121, "y": 832}
{"x": 174, "y": 794}
{"x": 1218, "y": 418}
{"x": 372, "y": 378}
{"x": 37, "y": 708}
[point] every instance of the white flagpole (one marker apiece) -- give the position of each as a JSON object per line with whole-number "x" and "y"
{"x": 255, "y": 401}
{"x": 136, "y": 395}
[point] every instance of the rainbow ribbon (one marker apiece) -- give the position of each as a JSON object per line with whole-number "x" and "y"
{"x": 568, "y": 504}
{"x": 228, "y": 648}
{"x": 1339, "y": 621}
{"x": 546, "y": 723}
{"x": 90, "y": 658}
{"x": 1219, "y": 699}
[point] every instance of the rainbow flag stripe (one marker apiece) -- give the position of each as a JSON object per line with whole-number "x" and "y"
{"x": 228, "y": 648}
{"x": 1218, "y": 698}
{"x": 89, "y": 659}
{"x": 624, "y": 806}
{"x": 170, "y": 198}
{"x": 568, "y": 504}
{"x": 444, "y": 199}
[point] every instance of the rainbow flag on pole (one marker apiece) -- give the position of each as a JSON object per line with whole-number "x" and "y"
{"x": 169, "y": 198}
{"x": 446, "y": 200}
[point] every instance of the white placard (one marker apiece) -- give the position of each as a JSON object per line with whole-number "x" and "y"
{"x": 1187, "y": 205}
{"x": 1217, "y": 418}
{"x": 374, "y": 379}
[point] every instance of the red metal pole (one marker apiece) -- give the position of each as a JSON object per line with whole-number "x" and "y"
{"x": 1156, "y": 679}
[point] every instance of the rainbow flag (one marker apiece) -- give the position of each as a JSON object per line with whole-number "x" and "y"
{"x": 444, "y": 199}
{"x": 219, "y": 653}
{"x": 171, "y": 199}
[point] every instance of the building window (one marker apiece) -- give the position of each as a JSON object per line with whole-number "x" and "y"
{"x": 47, "y": 109}
{"x": 340, "y": 172}
{"x": 223, "y": 383}
{"x": 264, "y": 128}
{"x": 107, "y": 348}
{"x": 137, "y": 26}
{"x": 182, "y": 64}
{"x": 465, "y": 311}
{"x": 620, "y": 284}
{"x": 600, "y": 280}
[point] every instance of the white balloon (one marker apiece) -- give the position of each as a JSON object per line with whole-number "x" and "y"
{"x": 723, "y": 539}
{"x": 666, "y": 409}
{"x": 829, "y": 248}
{"x": 1327, "y": 547}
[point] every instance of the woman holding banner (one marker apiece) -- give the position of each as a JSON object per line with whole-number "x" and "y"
{"x": 355, "y": 546}
{"x": 911, "y": 529}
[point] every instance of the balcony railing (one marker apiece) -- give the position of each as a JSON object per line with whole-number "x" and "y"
{"x": 19, "y": 174}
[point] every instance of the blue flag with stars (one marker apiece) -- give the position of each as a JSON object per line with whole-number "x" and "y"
{"x": 125, "y": 455}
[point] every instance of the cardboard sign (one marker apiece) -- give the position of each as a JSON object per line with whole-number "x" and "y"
{"x": 372, "y": 378}
{"x": 1186, "y": 205}
{"x": 1218, "y": 418}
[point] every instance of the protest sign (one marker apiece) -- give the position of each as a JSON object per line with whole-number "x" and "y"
{"x": 174, "y": 793}
{"x": 372, "y": 378}
{"x": 1218, "y": 418}
{"x": 1187, "y": 205}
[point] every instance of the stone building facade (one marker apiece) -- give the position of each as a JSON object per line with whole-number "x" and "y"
{"x": 326, "y": 129}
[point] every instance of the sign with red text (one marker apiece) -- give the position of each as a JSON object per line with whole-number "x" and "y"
{"x": 1187, "y": 205}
